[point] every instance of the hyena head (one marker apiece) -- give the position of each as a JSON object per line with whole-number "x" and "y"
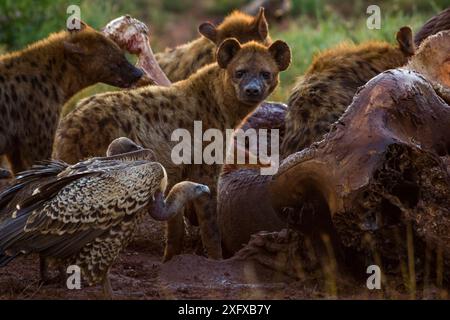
{"x": 253, "y": 69}
{"x": 100, "y": 58}
{"x": 238, "y": 25}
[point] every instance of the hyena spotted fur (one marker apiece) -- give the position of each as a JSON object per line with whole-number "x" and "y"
{"x": 321, "y": 95}
{"x": 180, "y": 62}
{"x": 220, "y": 95}
{"x": 37, "y": 81}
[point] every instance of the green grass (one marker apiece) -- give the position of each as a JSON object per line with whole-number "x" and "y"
{"x": 23, "y": 21}
{"x": 307, "y": 36}
{"x": 315, "y": 24}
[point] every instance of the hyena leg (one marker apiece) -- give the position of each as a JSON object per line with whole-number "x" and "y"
{"x": 206, "y": 211}
{"x": 16, "y": 161}
{"x": 174, "y": 236}
{"x": 4, "y": 173}
{"x": 43, "y": 270}
{"x": 107, "y": 289}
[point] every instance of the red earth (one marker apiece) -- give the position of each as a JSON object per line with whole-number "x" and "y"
{"x": 139, "y": 274}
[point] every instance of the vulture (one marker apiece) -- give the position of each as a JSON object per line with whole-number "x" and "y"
{"x": 86, "y": 214}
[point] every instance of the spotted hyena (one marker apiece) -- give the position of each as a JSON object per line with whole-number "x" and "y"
{"x": 37, "y": 81}
{"x": 180, "y": 62}
{"x": 220, "y": 95}
{"x": 321, "y": 95}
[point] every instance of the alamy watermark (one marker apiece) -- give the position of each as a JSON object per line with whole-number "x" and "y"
{"x": 73, "y": 22}
{"x": 222, "y": 150}
{"x": 374, "y": 280}
{"x": 374, "y": 20}
{"x": 74, "y": 279}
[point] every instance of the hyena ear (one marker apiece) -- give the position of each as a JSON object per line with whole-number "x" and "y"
{"x": 227, "y": 51}
{"x": 261, "y": 25}
{"x": 405, "y": 41}
{"x": 281, "y": 52}
{"x": 209, "y": 31}
{"x": 76, "y": 25}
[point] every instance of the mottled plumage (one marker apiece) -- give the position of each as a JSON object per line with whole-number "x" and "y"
{"x": 85, "y": 214}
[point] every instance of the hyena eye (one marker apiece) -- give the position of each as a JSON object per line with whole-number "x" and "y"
{"x": 266, "y": 75}
{"x": 240, "y": 73}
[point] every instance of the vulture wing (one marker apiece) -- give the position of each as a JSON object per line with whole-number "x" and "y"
{"x": 68, "y": 213}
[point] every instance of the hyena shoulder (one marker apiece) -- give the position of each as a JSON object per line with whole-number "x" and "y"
{"x": 322, "y": 95}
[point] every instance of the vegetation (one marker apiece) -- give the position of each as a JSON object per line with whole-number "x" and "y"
{"x": 308, "y": 36}
{"x": 314, "y": 25}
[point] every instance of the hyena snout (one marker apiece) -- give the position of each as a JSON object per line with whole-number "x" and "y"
{"x": 253, "y": 91}
{"x": 128, "y": 75}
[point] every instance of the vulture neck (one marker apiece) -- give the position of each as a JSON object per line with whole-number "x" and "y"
{"x": 164, "y": 209}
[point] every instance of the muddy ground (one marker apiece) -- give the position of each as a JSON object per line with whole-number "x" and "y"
{"x": 139, "y": 274}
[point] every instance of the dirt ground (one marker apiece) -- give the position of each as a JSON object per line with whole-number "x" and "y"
{"x": 139, "y": 274}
